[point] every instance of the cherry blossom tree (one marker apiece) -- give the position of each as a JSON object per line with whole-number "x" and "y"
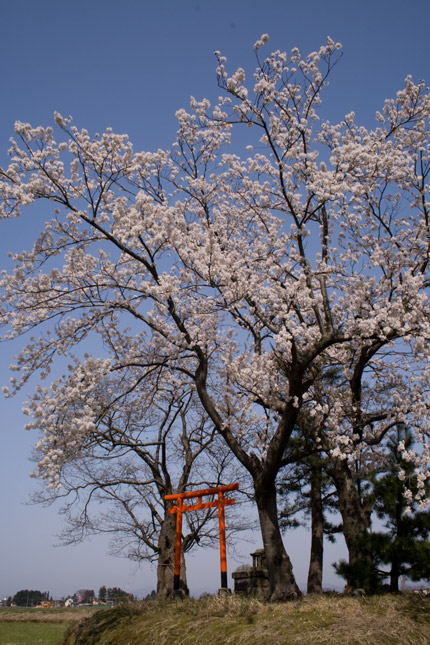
{"x": 240, "y": 275}
{"x": 144, "y": 445}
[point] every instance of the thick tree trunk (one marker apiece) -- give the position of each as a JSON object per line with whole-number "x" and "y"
{"x": 396, "y": 560}
{"x": 394, "y": 574}
{"x": 282, "y": 584}
{"x": 317, "y": 530}
{"x": 166, "y": 560}
{"x": 356, "y": 523}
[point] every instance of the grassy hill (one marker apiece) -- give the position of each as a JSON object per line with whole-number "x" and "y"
{"x": 381, "y": 620}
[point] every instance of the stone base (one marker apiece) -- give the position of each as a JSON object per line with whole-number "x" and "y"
{"x": 252, "y": 582}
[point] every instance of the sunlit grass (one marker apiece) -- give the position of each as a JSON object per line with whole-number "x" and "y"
{"x": 27, "y": 626}
{"x": 381, "y": 620}
{"x": 31, "y": 633}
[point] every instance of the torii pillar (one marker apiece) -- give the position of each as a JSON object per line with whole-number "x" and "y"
{"x": 179, "y": 508}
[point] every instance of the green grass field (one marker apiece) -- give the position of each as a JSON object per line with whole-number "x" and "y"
{"x": 22, "y": 626}
{"x": 26, "y": 633}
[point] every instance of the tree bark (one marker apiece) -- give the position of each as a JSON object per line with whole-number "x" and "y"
{"x": 356, "y": 523}
{"x": 396, "y": 560}
{"x": 394, "y": 574}
{"x": 317, "y": 530}
{"x": 166, "y": 560}
{"x": 282, "y": 584}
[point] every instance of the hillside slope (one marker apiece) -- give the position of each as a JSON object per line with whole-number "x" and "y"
{"x": 381, "y": 620}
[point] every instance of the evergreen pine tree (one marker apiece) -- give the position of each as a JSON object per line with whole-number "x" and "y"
{"x": 404, "y": 547}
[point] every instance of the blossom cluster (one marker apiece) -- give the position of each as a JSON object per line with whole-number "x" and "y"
{"x": 242, "y": 277}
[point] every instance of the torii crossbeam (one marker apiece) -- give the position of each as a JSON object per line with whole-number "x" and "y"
{"x": 179, "y": 508}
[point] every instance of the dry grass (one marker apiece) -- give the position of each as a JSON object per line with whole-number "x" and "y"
{"x": 26, "y": 615}
{"x": 381, "y": 620}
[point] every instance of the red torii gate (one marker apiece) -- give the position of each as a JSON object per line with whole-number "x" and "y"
{"x": 179, "y": 508}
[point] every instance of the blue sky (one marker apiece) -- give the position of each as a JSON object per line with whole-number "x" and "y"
{"x": 130, "y": 65}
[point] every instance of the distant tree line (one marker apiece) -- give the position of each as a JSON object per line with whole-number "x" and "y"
{"x": 33, "y": 598}
{"x": 105, "y": 594}
{"x": 114, "y": 594}
{"x": 30, "y": 597}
